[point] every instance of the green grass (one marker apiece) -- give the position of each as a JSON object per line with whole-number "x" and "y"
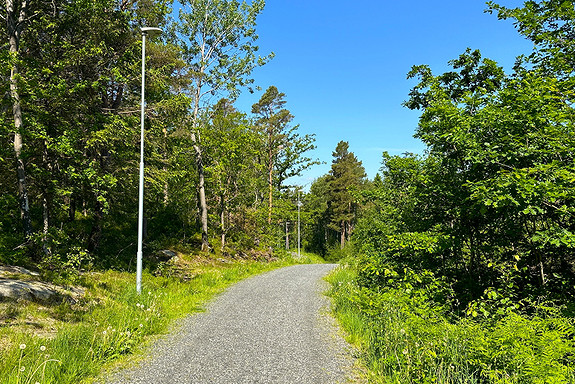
{"x": 404, "y": 337}
{"x": 71, "y": 343}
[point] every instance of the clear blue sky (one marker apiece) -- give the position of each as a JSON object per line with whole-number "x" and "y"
{"x": 342, "y": 65}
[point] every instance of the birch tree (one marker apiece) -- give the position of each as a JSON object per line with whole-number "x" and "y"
{"x": 218, "y": 39}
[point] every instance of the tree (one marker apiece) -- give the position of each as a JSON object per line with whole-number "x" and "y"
{"x": 217, "y": 38}
{"x": 320, "y": 236}
{"x": 284, "y": 147}
{"x": 231, "y": 147}
{"x": 346, "y": 175}
{"x": 16, "y": 14}
{"x": 504, "y": 148}
{"x": 550, "y": 25}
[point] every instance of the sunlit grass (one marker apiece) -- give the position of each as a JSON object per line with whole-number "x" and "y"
{"x": 404, "y": 338}
{"x": 70, "y": 343}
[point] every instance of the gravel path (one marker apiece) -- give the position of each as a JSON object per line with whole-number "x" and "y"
{"x": 272, "y": 328}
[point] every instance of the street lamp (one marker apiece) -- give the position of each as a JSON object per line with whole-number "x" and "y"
{"x": 145, "y": 31}
{"x": 298, "y": 225}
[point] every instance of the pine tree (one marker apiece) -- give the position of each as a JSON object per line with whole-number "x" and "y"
{"x": 346, "y": 175}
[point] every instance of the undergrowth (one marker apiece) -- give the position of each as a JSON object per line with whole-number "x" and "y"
{"x": 70, "y": 343}
{"x": 407, "y": 337}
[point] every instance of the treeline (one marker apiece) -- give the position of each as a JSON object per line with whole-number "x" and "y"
{"x": 491, "y": 204}
{"x": 463, "y": 269}
{"x": 215, "y": 176}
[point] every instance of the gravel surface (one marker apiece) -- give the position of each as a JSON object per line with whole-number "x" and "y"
{"x": 271, "y": 328}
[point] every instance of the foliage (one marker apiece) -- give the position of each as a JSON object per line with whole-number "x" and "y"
{"x": 284, "y": 148}
{"x": 406, "y": 336}
{"x": 466, "y": 262}
{"x": 334, "y": 202}
{"x": 79, "y": 90}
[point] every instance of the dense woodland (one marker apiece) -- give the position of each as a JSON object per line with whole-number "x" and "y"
{"x": 463, "y": 269}
{"x": 216, "y": 177}
{"x": 472, "y": 241}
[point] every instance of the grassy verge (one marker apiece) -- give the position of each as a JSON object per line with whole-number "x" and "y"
{"x": 71, "y": 342}
{"x": 404, "y": 337}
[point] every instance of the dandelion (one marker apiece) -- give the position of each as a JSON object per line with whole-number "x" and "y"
{"x": 141, "y": 325}
{"x": 42, "y": 348}
{"x": 22, "y": 346}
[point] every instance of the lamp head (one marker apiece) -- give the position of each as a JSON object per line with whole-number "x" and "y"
{"x": 146, "y": 30}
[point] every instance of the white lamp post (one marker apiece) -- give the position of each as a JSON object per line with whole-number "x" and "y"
{"x": 298, "y": 226}
{"x": 145, "y": 31}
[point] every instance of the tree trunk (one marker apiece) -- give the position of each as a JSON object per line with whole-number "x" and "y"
{"x": 270, "y": 184}
{"x": 46, "y": 227}
{"x": 203, "y": 208}
{"x": 287, "y": 236}
{"x": 96, "y": 232}
{"x": 46, "y": 203}
{"x": 14, "y": 30}
{"x": 223, "y": 220}
{"x": 165, "y": 168}
{"x": 342, "y": 237}
{"x": 201, "y": 193}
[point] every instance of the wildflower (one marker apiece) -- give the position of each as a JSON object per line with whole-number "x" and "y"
{"x": 42, "y": 348}
{"x": 22, "y": 369}
{"x": 405, "y": 351}
{"x": 22, "y": 346}
{"x": 149, "y": 292}
{"x": 141, "y": 325}
{"x": 104, "y": 332}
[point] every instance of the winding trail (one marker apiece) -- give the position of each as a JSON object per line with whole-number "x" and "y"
{"x": 271, "y": 328}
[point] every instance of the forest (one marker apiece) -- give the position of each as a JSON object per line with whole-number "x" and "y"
{"x": 457, "y": 263}
{"x": 215, "y": 177}
{"x": 461, "y": 262}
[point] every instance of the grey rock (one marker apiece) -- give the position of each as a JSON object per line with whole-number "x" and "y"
{"x": 169, "y": 254}
{"x": 28, "y": 290}
{"x": 6, "y": 270}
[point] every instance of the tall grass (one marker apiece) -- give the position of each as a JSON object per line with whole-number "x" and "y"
{"x": 405, "y": 337}
{"x": 111, "y": 322}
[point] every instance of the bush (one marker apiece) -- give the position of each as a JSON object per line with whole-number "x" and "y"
{"x": 407, "y": 336}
